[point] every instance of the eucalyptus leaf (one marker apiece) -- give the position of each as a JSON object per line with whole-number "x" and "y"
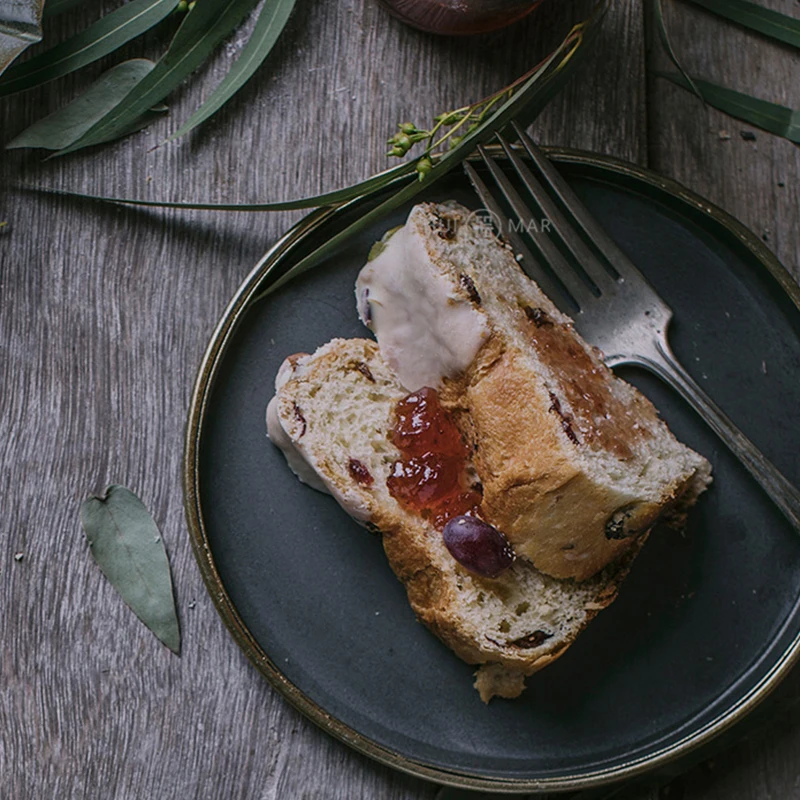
{"x": 20, "y": 27}
{"x": 203, "y": 28}
{"x": 315, "y": 201}
{"x": 529, "y": 99}
{"x": 105, "y": 36}
{"x": 546, "y": 81}
{"x": 771, "y": 117}
{"x": 756, "y": 18}
{"x": 127, "y": 546}
{"x": 269, "y": 26}
{"x": 61, "y": 128}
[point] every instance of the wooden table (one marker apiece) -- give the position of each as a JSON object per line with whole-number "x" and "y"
{"x": 105, "y": 314}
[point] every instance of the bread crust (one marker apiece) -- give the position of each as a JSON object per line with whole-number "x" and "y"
{"x": 414, "y": 549}
{"x": 568, "y": 520}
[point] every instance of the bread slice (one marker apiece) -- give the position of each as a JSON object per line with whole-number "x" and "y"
{"x": 575, "y": 463}
{"x": 331, "y": 415}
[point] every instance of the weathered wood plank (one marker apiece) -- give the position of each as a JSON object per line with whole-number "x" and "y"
{"x": 755, "y": 180}
{"x": 758, "y": 181}
{"x": 104, "y": 314}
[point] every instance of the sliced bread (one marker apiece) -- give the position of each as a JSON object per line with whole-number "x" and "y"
{"x": 575, "y": 463}
{"x": 331, "y": 415}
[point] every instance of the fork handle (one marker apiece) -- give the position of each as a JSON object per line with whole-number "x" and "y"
{"x": 663, "y": 363}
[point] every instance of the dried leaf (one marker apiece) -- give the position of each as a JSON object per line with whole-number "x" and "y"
{"x": 271, "y": 22}
{"x": 20, "y": 27}
{"x": 771, "y": 117}
{"x": 127, "y": 546}
{"x": 105, "y": 36}
{"x": 61, "y": 128}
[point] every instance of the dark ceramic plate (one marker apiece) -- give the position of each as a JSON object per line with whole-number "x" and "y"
{"x": 706, "y": 624}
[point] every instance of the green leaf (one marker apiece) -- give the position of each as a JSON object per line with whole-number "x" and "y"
{"x": 204, "y": 27}
{"x": 98, "y": 40}
{"x": 315, "y": 201}
{"x": 657, "y": 13}
{"x": 61, "y": 128}
{"x": 127, "y": 546}
{"x": 756, "y": 18}
{"x": 271, "y": 22}
{"x": 771, "y": 117}
{"x": 20, "y": 27}
{"x": 529, "y": 99}
{"x": 547, "y": 80}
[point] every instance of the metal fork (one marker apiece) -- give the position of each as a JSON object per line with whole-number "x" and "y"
{"x": 618, "y": 311}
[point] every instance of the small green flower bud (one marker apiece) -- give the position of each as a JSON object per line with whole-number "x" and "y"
{"x": 396, "y": 151}
{"x": 402, "y": 140}
{"x": 452, "y": 118}
{"x": 182, "y": 6}
{"x": 424, "y": 166}
{"x": 408, "y": 128}
{"x": 191, "y": 5}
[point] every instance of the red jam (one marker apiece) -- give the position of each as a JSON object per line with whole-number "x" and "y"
{"x": 360, "y": 473}
{"x": 423, "y": 426}
{"x": 430, "y": 477}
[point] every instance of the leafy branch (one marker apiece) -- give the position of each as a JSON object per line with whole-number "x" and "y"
{"x": 525, "y": 96}
{"x": 204, "y": 26}
{"x": 465, "y": 119}
{"x": 528, "y": 100}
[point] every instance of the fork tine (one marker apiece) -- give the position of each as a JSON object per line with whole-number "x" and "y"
{"x": 616, "y": 258}
{"x": 529, "y": 263}
{"x": 587, "y": 260}
{"x": 576, "y": 286}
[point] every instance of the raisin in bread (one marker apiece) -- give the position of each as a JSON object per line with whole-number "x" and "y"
{"x": 575, "y": 463}
{"x": 331, "y": 416}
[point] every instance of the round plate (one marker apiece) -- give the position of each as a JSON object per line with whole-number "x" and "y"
{"x": 704, "y": 627}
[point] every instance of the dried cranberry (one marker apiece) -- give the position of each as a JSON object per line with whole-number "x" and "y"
{"x": 359, "y": 472}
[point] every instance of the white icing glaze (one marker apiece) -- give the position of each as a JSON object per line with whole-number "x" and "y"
{"x": 294, "y": 458}
{"x": 425, "y": 330}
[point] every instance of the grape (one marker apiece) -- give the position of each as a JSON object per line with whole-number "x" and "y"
{"x": 478, "y": 546}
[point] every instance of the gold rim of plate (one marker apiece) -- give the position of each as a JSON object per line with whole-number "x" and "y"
{"x": 212, "y": 358}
